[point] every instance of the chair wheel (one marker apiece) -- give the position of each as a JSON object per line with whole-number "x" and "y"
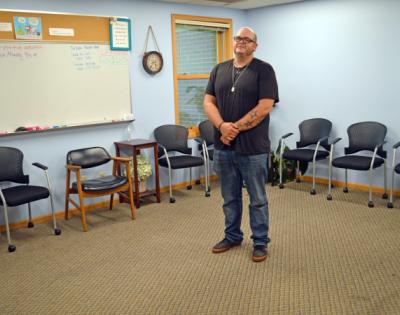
{"x": 189, "y": 187}
{"x": 385, "y": 196}
{"x": 345, "y": 190}
{"x": 329, "y": 197}
{"x": 172, "y": 200}
{"x": 390, "y": 205}
{"x": 30, "y": 225}
{"x": 281, "y": 186}
{"x": 313, "y": 192}
{"x": 11, "y": 248}
{"x": 370, "y": 204}
{"x": 57, "y": 231}
{"x": 208, "y": 194}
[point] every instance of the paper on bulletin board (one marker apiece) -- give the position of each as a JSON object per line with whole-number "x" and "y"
{"x": 120, "y": 33}
{"x": 5, "y": 27}
{"x": 28, "y": 27}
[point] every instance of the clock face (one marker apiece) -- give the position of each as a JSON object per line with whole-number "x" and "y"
{"x": 152, "y": 62}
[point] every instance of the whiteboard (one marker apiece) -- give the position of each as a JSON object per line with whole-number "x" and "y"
{"x": 62, "y": 84}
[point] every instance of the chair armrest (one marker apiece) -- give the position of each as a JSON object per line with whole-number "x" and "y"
{"x": 380, "y": 144}
{"x": 396, "y": 145}
{"x": 41, "y": 166}
{"x": 322, "y": 139}
{"x": 287, "y": 135}
{"x": 334, "y": 141}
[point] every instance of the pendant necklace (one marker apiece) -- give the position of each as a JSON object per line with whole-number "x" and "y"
{"x": 234, "y": 81}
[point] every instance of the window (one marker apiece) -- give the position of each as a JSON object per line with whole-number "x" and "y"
{"x": 199, "y": 43}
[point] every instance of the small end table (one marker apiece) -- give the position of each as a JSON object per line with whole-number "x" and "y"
{"x": 133, "y": 147}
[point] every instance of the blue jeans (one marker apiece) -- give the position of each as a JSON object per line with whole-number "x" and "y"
{"x": 233, "y": 169}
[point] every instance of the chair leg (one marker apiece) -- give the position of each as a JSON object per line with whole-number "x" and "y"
{"x": 189, "y": 187}
{"x": 207, "y": 192}
{"x": 280, "y": 169}
{"x": 30, "y": 223}
{"x": 385, "y": 195}
{"x": 83, "y": 213}
{"x": 313, "y": 192}
{"x": 171, "y": 198}
{"x": 11, "y": 247}
{"x": 370, "y": 202}
{"x": 111, "y": 201}
{"x": 390, "y": 203}
{"x": 57, "y": 231}
{"x": 132, "y": 203}
{"x": 345, "y": 189}
{"x": 67, "y": 195}
{"x": 298, "y": 172}
{"x": 329, "y": 197}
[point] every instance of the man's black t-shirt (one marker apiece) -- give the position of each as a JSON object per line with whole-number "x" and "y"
{"x": 255, "y": 82}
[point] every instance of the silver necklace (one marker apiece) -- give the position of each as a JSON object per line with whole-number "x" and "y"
{"x": 238, "y": 77}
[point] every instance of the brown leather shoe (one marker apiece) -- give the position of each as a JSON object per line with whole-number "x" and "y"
{"x": 260, "y": 253}
{"x": 223, "y": 246}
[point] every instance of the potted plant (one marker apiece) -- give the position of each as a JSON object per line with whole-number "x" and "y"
{"x": 143, "y": 169}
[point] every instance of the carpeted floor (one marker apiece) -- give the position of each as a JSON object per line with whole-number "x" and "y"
{"x": 337, "y": 257}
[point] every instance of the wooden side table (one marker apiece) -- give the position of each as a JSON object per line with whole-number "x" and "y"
{"x": 133, "y": 147}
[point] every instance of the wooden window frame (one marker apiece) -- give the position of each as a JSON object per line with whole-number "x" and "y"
{"x": 225, "y": 52}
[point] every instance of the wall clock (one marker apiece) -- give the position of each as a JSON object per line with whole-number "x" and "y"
{"x": 152, "y": 60}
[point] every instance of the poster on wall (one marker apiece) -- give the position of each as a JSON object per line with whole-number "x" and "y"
{"x": 27, "y": 27}
{"x": 120, "y": 34}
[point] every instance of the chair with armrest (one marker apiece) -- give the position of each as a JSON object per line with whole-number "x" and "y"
{"x": 11, "y": 170}
{"x": 108, "y": 185}
{"x": 174, "y": 139}
{"x": 313, "y": 133}
{"x": 206, "y": 129}
{"x": 395, "y": 170}
{"x": 363, "y": 136}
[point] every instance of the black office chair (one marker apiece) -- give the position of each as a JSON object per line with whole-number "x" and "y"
{"x": 395, "y": 169}
{"x": 313, "y": 132}
{"x": 206, "y": 129}
{"x": 363, "y": 136}
{"x": 173, "y": 138}
{"x": 108, "y": 185}
{"x": 11, "y": 170}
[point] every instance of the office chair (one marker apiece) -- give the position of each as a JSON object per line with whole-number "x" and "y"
{"x": 363, "y": 136}
{"x": 108, "y": 185}
{"x": 395, "y": 169}
{"x": 206, "y": 129}
{"x": 173, "y": 138}
{"x": 313, "y": 132}
{"x": 11, "y": 170}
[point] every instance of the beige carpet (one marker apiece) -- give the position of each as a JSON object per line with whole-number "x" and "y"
{"x": 337, "y": 257}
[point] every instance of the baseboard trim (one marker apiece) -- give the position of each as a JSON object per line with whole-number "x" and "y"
{"x": 355, "y": 186}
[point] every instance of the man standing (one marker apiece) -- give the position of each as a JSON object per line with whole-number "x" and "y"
{"x": 239, "y": 96}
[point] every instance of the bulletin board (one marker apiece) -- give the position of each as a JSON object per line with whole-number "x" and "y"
{"x": 69, "y": 78}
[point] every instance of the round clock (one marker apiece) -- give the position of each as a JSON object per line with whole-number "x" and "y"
{"x": 152, "y": 62}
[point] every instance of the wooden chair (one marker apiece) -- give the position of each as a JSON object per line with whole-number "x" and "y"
{"x": 107, "y": 185}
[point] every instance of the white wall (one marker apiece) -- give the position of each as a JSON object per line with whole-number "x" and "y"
{"x": 337, "y": 59}
{"x": 152, "y": 97}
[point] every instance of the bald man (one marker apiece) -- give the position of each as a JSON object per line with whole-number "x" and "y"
{"x": 239, "y": 97}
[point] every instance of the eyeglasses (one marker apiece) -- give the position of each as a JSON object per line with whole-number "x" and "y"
{"x": 245, "y": 40}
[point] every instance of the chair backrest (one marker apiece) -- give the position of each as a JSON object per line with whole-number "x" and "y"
{"x": 88, "y": 157}
{"x": 11, "y": 166}
{"x": 206, "y": 129}
{"x": 311, "y": 130}
{"x": 366, "y": 136}
{"x": 173, "y": 138}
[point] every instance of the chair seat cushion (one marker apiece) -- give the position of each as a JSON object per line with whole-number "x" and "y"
{"x": 304, "y": 155}
{"x": 182, "y": 161}
{"x": 19, "y": 195}
{"x": 101, "y": 183}
{"x": 356, "y": 162}
{"x": 397, "y": 168}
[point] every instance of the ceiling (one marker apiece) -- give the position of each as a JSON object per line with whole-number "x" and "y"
{"x": 233, "y": 4}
